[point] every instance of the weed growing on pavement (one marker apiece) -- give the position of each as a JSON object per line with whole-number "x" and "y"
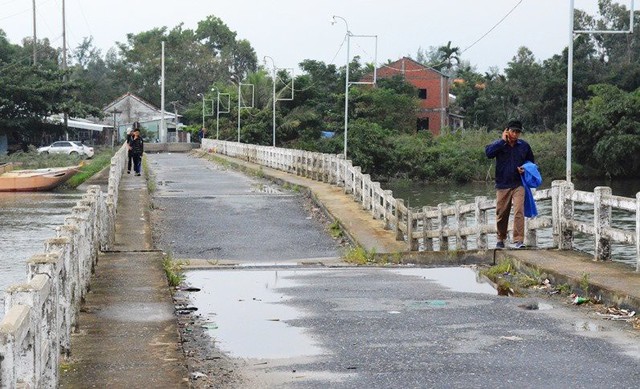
{"x": 174, "y": 270}
{"x": 584, "y": 284}
{"x": 151, "y": 180}
{"x": 335, "y": 230}
{"x": 360, "y": 256}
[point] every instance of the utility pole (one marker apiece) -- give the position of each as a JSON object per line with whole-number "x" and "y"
{"x": 115, "y": 111}
{"x": 163, "y": 127}
{"x": 64, "y": 64}
{"x": 35, "y": 39}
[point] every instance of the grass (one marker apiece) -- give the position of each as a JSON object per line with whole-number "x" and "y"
{"x": 584, "y": 284}
{"x": 32, "y": 160}
{"x": 150, "y": 178}
{"x": 93, "y": 166}
{"x": 174, "y": 270}
{"x": 335, "y": 230}
{"x": 360, "y": 256}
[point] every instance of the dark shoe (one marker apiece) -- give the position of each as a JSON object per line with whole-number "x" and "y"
{"x": 128, "y": 171}
{"x": 137, "y": 174}
{"x": 518, "y": 245}
{"x": 500, "y": 244}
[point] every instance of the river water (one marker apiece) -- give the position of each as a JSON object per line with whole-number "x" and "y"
{"x": 26, "y": 221}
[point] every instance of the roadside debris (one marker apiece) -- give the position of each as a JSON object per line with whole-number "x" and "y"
{"x": 579, "y": 300}
{"x": 613, "y": 313}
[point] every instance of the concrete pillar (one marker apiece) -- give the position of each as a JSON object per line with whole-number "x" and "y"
{"x": 601, "y": 220}
{"x": 481, "y": 222}
{"x": 443, "y": 224}
{"x": 461, "y": 240}
{"x": 427, "y": 226}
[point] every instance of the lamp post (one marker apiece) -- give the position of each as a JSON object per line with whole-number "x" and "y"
{"x": 240, "y": 105}
{"x": 239, "y": 100}
{"x": 346, "y": 83}
{"x": 273, "y": 98}
{"x": 572, "y": 34}
{"x": 202, "y": 95}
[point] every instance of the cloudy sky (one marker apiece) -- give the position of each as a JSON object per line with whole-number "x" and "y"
{"x": 290, "y": 31}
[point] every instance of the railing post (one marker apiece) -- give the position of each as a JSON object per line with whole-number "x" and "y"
{"x": 561, "y": 211}
{"x": 398, "y": 216}
{"x": 427, "y": 225}
{"x": 481, "y": 222}
{"x": 601, "y": 220}
{"x": 412, "y": 226}
{"x": 567, "y": 214}
{"x": 461, "y": 240}
{"x": 442, "y": 222}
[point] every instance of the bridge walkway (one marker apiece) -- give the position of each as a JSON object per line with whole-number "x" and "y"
{"x": 127, "y": 335}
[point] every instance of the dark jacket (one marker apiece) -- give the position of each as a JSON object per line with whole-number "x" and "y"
{"x": 508, "y": 159}
{"x": 137, "y": 146}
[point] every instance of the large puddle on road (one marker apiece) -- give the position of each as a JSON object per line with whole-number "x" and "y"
{"x": 244, "y": 315}
{"x": 458, "y": 279}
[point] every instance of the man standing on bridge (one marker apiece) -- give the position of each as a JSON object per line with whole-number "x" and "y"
{"x": 510, "y": 153}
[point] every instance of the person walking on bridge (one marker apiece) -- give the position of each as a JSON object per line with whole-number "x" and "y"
{"x": 510, "y": 153}
{"x": 137, "y": 149}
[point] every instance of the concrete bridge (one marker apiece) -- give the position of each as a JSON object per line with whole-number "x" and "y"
{"x": 42, "y": 314}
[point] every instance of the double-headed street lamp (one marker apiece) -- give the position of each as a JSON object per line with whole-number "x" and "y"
{"x": 273, "y": 97}
{"x": 240, "y": 100}
{"x": 572, "y": 34}
{"x": 347, "y": 83}
{"x": 276, "y": 99}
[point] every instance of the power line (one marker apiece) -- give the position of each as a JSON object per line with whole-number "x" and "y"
{"x": 468, "y": 47}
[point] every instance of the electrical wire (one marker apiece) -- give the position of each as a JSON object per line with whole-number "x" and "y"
{"x": 468, "y": 47}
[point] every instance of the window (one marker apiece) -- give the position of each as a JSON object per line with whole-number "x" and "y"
{"x": 422, "y": 94}
{"x": 422, "y": 124}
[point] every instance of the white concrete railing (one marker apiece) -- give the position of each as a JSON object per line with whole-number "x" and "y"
{"x": 41, "y": 313}
{"x": 421, "y": 228}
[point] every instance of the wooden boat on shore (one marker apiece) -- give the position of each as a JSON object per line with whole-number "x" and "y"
{"x": 33, "y": 179}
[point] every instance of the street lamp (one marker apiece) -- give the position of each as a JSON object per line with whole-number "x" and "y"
{"x": 202, "y": 95}
{"x": 228, "y": 109}
{"x": 240, "y": 105}
{"x": 572, "y": 34}
{"x": 273, "y": 98}
{"x": 346, "y": 84}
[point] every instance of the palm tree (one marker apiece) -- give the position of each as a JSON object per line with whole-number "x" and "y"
{"x": 446, "y": 54}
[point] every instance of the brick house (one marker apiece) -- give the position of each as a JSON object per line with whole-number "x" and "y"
{"x": 433, "y": 92}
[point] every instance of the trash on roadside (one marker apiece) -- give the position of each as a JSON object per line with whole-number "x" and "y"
{"x": 613, "y": 313}
{"x": 578, "y": 300}
{"x": 196, "y": 374}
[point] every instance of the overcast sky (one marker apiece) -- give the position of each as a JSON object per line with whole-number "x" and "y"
{"x": 290, "y": 31}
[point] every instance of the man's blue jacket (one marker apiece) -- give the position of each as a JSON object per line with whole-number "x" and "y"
{"x": 508, "y": 159}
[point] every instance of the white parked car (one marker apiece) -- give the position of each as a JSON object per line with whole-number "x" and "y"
{"x": 67, "y": 147}
{"x": 88, "y": 150}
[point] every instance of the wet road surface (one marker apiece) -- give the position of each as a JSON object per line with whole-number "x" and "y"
{"x": 300, "y": 327}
